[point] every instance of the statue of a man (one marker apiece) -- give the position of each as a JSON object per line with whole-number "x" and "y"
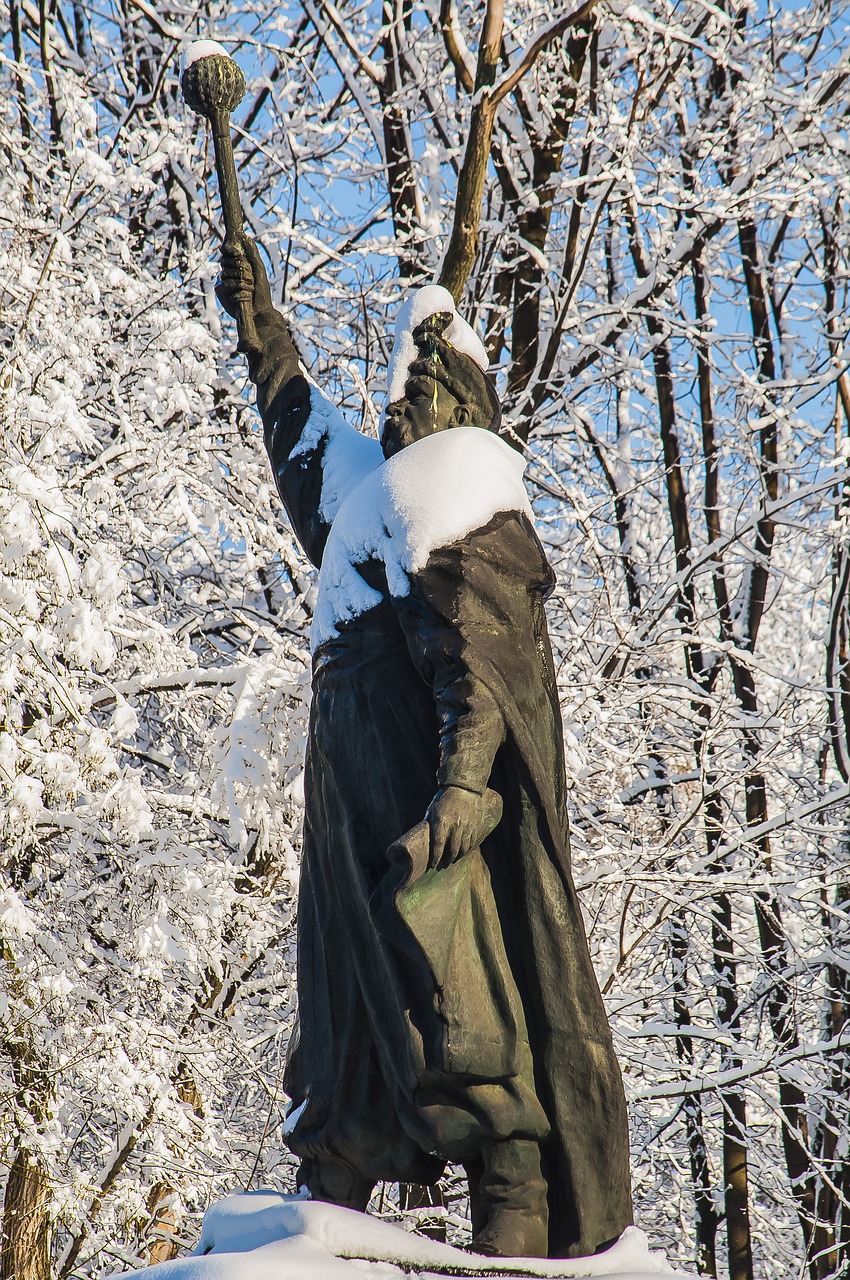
{"x": 448, "y": 1008}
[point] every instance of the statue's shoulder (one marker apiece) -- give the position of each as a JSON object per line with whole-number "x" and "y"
{"x": 445, "y": 486}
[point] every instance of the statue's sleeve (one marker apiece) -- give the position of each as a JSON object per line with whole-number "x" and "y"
{"x": 471, "y": 728}
{"x": 475, "y": 629}
{"x": 316, "y": 457}
{"x": 470, "y": 723}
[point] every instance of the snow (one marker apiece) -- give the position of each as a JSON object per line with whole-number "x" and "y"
{"x": 417, "y": 307}
{"x": 292, "y": 1117}
{"x": 203, "y": 49}
{"x": 86, "y": 640}
{"x": 348, "y": 458}
{"x": 15, "y": 918}
{"x": 429, "y": 495}
{"x": 262, "y": 1235}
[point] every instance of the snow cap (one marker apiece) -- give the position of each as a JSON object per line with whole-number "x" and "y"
{"x": 418, "y": 306}
{"x": 203, "y": 49}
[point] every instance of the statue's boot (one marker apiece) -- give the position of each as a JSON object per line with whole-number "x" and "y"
{"x": 510, "y": 1210}
{"x": 336, "y": 1182}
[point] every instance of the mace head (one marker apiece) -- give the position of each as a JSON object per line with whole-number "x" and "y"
{"x": 211, "y": 80}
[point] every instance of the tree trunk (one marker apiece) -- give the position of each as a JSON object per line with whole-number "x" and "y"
{"x": 25, "y": 1239}
{"x": 162, "y": 1245}
{"x": 401, "y": 178}
{"x": 534, "y": 219}
{"x": 735, "y": 1175}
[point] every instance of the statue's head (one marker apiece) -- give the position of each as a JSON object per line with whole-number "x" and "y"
{"x": 442, "y": 386}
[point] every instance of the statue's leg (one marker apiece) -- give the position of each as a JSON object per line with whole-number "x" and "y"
{"x": 474, "y": 1170}
{"x": 510, "y": 1202}
{"x": 336, "y": 1182}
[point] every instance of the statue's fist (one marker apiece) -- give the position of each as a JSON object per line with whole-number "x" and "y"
{"x": 243, "y": 277}
{"x": 459, "y": 821}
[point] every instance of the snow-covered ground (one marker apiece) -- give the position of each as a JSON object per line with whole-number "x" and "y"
{"x": 261, "y": 1235}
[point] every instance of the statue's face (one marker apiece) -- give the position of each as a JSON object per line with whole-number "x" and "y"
{"x": 426, "y": 407}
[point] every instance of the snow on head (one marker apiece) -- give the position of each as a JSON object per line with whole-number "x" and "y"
{"x": 431, "y": 494}
{"x": 203, "y": 49}
{"x": 426, "y": 302}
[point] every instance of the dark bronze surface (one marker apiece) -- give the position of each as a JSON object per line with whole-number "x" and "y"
{"x": 213, "y": 87}
{"x": 448, "y": 1007}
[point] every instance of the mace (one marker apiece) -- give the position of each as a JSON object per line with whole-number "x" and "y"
{"x": 213, "y": 86}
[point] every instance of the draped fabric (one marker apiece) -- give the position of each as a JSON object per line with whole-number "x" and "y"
{"x": 466, "y": 1011}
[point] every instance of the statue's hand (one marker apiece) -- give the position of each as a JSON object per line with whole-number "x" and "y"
{"x": 459, "y": 821}
{"x": 243, "y": 275}
{"x": 458, "y": 372}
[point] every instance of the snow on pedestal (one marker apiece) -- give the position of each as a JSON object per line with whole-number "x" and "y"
{"x": 260, "y": 1235}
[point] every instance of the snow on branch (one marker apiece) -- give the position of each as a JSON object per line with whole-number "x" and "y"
{"x": 522, "y": 62}
{"x": 373, "y": 70}
{"x": 347, "y": 69}
{"x": 456, "y": 46}
{"x": 756, "y": 1066}
{"x": 165, "y": 28}
{"x": 190, "y": 678}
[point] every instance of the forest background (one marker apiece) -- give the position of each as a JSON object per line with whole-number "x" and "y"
{"x": 642, "y": 206}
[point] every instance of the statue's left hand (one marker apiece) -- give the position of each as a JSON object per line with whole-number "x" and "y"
{"x": 459, "y": 821}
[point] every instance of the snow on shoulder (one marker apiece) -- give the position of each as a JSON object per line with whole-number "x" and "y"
{"x": 348, "y": 454}
{"x": 421, "y": 304}
{"x": 430, "y": 495}
{"x": 260, "y": 1235}
{"x": 203, "y": 49}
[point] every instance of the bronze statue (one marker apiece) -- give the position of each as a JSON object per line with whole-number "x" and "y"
{"x": 448, "y": 1008}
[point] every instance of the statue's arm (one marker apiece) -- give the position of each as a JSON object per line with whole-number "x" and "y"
{"x": 471, "y": 620}
{"x": 284, "y": 397}
{"x": 470, "y": 724}
{"x": 276, "y": 364}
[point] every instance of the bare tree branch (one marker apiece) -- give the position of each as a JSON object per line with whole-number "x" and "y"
{"x": 523, "y": 63}
{"x": 456, "y": 47}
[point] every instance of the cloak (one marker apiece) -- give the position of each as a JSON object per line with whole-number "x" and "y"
{"x": 441, "y": 1010}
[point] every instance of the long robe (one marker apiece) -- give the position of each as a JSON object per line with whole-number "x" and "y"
{"x": 417, "y": 1043}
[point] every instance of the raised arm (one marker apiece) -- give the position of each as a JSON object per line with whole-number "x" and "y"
{"x": 277, "y": 364}
{"x": 316, "y": 457}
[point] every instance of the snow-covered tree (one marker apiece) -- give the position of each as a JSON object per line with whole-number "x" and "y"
{"x": 641, "y": 208}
